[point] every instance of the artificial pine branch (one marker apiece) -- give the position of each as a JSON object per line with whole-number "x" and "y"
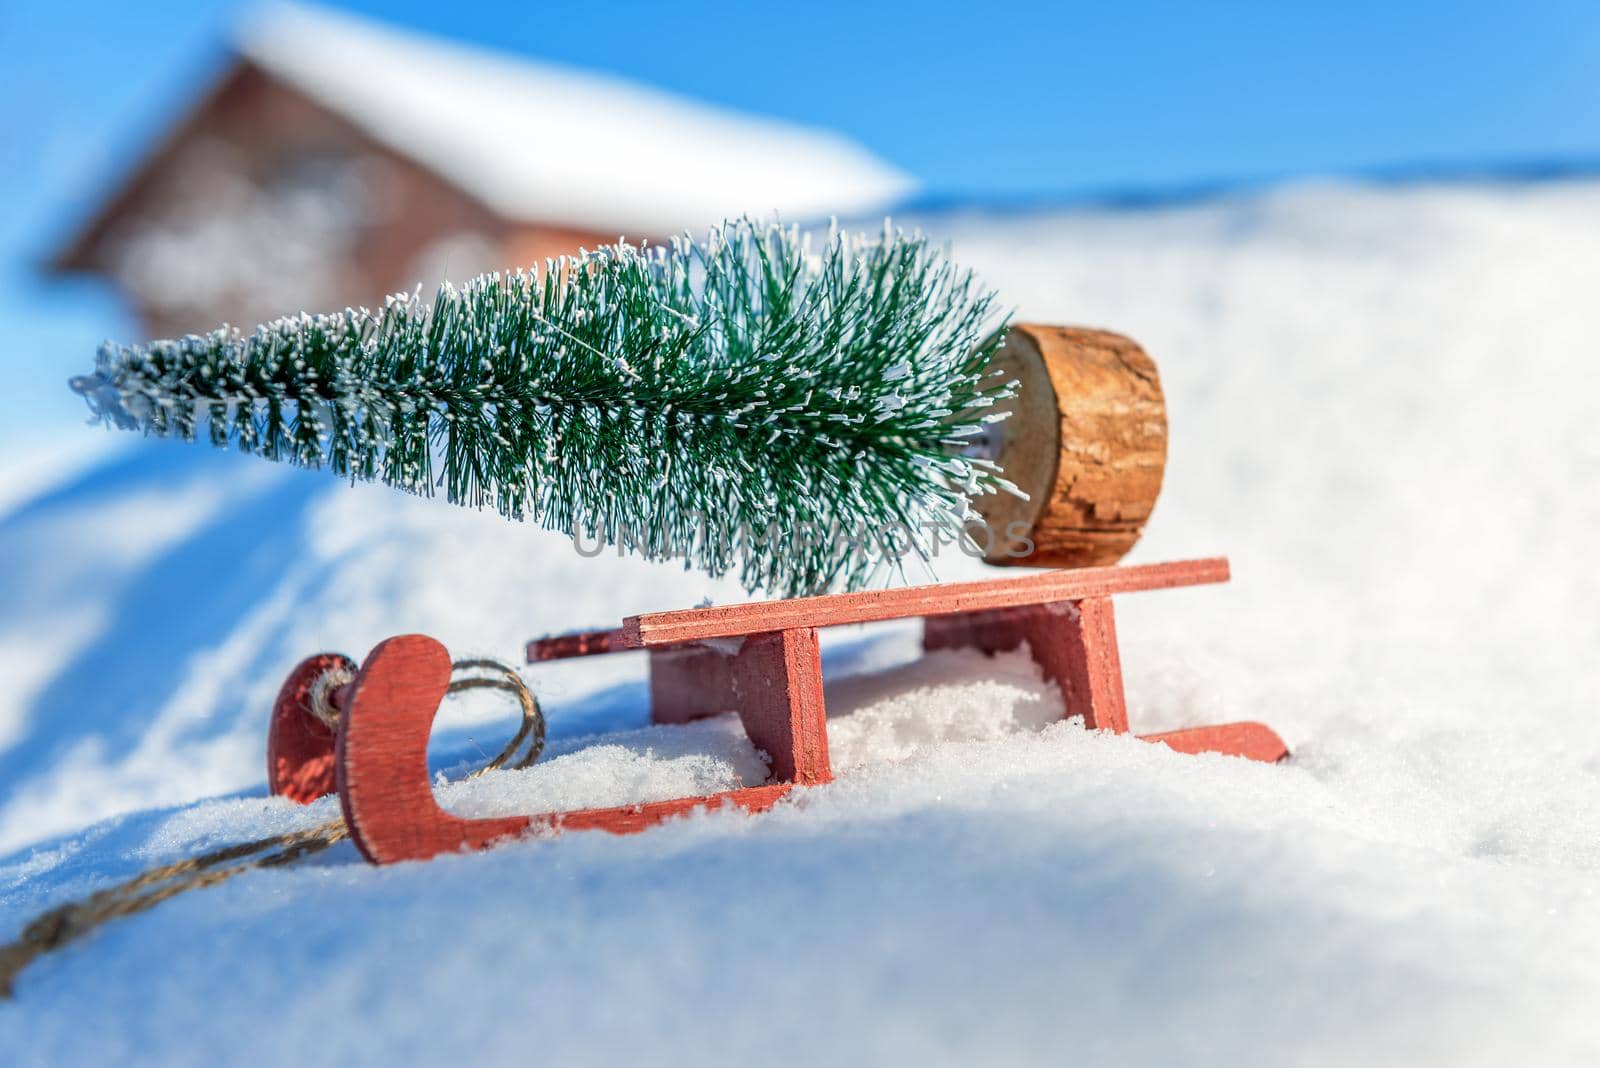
{"x": 741, "y": 402}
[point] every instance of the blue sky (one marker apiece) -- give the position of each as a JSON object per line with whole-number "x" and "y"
{"x": 1000, "y": 100}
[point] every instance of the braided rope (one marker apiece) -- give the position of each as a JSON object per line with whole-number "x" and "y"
{"x": 73, "y": 920}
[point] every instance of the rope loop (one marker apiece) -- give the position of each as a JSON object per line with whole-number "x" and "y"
{"x": 502, "y": 676}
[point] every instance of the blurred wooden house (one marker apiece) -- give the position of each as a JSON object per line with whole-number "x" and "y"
{"x": 338, "y": 160}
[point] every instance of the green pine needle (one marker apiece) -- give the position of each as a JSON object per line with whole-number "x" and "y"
{"x": 743, "y": 402}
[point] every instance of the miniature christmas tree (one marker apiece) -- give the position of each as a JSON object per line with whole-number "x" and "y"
{"x": 745, "y": 402}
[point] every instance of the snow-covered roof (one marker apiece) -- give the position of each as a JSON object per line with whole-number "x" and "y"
{"x": 540, "y": 142}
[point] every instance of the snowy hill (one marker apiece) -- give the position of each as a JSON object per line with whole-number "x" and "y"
{"x": 1383, "y": 406}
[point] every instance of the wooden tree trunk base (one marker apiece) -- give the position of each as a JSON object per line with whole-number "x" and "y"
{"x": 1086, "y": 440}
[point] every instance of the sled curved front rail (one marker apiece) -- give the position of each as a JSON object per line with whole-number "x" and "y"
{"x": 381, "y": 763}
{"x": 299, "y": 745}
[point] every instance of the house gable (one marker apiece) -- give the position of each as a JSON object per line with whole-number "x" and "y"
{"x": 263, "y": 202}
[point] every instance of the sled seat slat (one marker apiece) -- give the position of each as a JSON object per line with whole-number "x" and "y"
{"x": 577, "y": 643}
{"x": 662, "y": 629}
{"x": 831, "y": 610}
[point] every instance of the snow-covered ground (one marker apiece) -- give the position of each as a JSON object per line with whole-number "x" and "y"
{"x": 1384, "y": 408}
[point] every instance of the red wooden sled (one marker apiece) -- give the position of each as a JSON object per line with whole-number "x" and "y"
{"x": 760, "y": 659}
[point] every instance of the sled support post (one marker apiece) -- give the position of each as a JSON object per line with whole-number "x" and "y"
{"x": 690, "y": 682}
{"x": 777, "y": 678}
{"x": 1073, "y": 642}
{"x": 773, "y": 679}
{"x": 1093, "y": 669}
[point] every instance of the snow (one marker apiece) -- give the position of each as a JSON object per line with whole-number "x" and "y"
{"x": 538, "y": 142}
{"x": 1383, "y": 408}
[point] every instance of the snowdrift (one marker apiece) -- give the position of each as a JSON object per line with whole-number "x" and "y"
{"x": 1384, "y": 409}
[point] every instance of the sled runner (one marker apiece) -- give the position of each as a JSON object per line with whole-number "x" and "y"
{"x": 759, "y": 659}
